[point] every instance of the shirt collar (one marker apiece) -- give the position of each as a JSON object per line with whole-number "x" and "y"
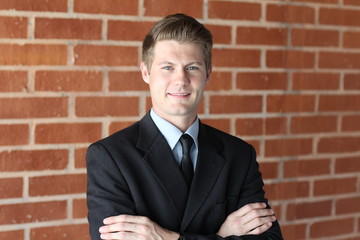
{"x": 171, "y": 133}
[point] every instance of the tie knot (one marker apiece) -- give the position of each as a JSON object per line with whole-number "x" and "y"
{"x": 186, "y": 143}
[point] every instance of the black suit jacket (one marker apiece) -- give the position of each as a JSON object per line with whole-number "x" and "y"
{"x": 134, "y": 172}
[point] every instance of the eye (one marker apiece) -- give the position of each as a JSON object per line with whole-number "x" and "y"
{"x": 167, "y": 68}
{"x": 192, "y": 68}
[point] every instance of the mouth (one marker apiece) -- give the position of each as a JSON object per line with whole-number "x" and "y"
{"x": 179, "y": 94}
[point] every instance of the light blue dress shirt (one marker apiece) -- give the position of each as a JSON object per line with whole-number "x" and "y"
{"x": 172, "y": 135}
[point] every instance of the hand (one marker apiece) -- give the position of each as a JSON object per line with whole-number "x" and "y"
{"x": 134, "y": 227}
{"x": 252, "y": 218}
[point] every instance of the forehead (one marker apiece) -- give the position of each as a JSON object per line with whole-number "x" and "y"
{"x": 167, "y": 49}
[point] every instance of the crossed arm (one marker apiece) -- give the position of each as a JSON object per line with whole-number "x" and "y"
{"x": 255, "y": 220}
{"x": 252, "y": 218}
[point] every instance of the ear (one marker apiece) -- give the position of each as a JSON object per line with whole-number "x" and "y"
{"x": 144, "y": 72}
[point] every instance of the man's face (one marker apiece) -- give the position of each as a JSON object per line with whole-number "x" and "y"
{"x": 177, "y": 79}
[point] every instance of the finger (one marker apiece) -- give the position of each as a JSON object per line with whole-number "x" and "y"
{"x": 106, "y": 236}
{"x": 261, "y": 229}
{"x": 257, "y": 213}
{"x": 125, "y": 218}
{"x": 118, "y": 236}
{"x": 118, "y": 227}
{"x": 248, "y": 208}
{"x": 261, "y": 223}
{"x": 113, "y": 219}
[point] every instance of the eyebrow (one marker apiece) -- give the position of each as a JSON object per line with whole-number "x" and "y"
{"x": 198, "y": 63}
{"x": 165, "y": 63}
{"x": 171, "y": 63}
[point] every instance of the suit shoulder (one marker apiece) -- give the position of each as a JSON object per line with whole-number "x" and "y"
{"x": 124, "y": 135}
{"x": 224, "y": 137}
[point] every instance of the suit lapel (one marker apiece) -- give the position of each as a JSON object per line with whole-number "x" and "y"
{"x": 162, "y": 163}
{"x": 208, "y": 168}
{"x": 160, "y": 160}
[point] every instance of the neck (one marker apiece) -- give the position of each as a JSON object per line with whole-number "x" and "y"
{"x": 181, "y": 122}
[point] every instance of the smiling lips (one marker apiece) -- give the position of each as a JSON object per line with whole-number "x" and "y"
{"x": 179, "y": 94}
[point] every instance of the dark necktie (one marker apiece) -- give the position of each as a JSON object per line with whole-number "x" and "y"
{"x": 186, "y": 164}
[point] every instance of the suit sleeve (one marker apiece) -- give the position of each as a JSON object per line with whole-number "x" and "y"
{"x": 108, "y": 194}
{"x": 251, "y": 192}
{"x": 107, "y": 190}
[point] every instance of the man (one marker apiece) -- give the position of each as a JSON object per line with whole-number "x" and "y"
{"x": 169, "y": 176}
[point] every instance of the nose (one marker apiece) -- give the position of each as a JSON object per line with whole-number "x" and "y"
{"x": 182, "y": 77}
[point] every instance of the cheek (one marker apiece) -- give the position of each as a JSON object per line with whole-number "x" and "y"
{"x": 200, "y": 84}
{"x": 157, "y": 89}
{"x": 160, "y": 83}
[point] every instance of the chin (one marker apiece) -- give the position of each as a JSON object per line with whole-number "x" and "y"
{"x": 184, "y": 113}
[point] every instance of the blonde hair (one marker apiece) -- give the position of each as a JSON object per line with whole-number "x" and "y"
{"x": 181, "y": 28}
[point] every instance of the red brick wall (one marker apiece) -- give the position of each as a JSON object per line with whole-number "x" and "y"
{"x": 286, "y": 78}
